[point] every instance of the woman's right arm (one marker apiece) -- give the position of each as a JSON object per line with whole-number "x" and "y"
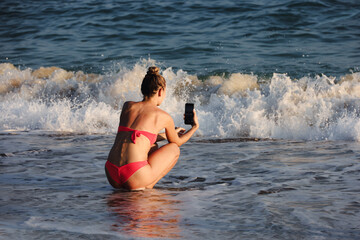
{"x": 173, "y": 136}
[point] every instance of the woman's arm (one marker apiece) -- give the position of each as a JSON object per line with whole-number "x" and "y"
{"x": 173, "y": 136}
{"x": 162, "y": 136}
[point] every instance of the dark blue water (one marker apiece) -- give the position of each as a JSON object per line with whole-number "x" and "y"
{"x": 201, "y": 37}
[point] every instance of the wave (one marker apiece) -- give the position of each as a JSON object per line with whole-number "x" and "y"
{"x": 228, "y": 105}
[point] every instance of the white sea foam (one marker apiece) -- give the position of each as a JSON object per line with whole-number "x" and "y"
{"x": 240, "y": 105}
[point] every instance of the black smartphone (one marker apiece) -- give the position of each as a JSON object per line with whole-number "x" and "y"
{"x": 189, "y": 113}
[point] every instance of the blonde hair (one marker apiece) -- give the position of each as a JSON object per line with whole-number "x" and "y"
{"x": 152, "y": 82}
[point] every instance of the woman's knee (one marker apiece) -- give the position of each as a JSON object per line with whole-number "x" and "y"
{"x": 175, "y": 149}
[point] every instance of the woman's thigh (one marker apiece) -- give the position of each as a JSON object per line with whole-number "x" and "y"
{"x": 163, "y": 157}
{"x": 160, "y": 163}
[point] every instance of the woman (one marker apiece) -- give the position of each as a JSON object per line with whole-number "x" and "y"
{"x": 135, "y": 161}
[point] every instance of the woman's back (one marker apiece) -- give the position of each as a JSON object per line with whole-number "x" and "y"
{"x": 136, "y": 116}
{"x": 141, "y": 116}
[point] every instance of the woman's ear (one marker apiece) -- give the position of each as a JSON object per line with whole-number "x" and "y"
{"x": 160, "y": 92}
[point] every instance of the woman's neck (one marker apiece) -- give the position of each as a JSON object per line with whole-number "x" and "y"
{"x": 151, "y": 100}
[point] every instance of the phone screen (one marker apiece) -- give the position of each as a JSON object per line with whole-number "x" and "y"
{"x": 189, "y": 114}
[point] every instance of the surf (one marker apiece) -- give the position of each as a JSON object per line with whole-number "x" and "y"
{"x": 229, "y": 105}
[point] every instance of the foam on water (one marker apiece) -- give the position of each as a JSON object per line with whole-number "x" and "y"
{"x": 235, "y": 105}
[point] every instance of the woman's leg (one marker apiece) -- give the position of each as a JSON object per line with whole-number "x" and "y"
{"x": 162, "y": 161}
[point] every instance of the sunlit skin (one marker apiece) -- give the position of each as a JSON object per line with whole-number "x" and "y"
{"x": 147, "y": 116}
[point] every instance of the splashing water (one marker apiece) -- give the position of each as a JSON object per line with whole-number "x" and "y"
{"x": 235, "y": 105}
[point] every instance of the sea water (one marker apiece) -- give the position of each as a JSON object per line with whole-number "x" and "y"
{"x": 276, "y": 87}
{"x": 54, "y": 186}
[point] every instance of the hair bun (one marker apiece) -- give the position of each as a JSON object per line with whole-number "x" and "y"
{"x": 153, "y": 71}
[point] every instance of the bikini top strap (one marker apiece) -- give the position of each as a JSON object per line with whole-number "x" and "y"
{"x": 136, "y": 133}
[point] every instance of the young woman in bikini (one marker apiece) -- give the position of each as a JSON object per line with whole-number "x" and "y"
{"x": 135, "y": 161}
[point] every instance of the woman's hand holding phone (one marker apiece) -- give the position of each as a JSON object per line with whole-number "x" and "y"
{"x": 190, "y": 117}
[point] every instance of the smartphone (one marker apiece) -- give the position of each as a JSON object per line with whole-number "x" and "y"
{"x": 189, "y": 113}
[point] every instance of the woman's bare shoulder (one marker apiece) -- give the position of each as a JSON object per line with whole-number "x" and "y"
{"x": 129, "y": 105}
{"x": 164, "y": 115}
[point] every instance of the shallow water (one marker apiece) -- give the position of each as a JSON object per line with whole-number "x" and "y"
{"x": 53, "y": 186}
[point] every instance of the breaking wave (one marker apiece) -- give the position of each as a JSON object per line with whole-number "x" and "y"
{"x": 228, "y": 105}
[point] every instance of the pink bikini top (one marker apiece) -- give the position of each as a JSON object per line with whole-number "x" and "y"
{"x": 136, "y": 133}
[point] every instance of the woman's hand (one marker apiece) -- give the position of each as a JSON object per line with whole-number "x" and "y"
{"x": 178, "y": 135}
{"x": 180, "y": 131}
{"x": 196, "y": 122}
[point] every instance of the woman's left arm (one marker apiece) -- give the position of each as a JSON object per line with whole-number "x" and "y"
{"x": 174, "y": 137}
{"x": 162, "y": 136}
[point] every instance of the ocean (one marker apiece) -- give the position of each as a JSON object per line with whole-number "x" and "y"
{"x": 276, "y": 87}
